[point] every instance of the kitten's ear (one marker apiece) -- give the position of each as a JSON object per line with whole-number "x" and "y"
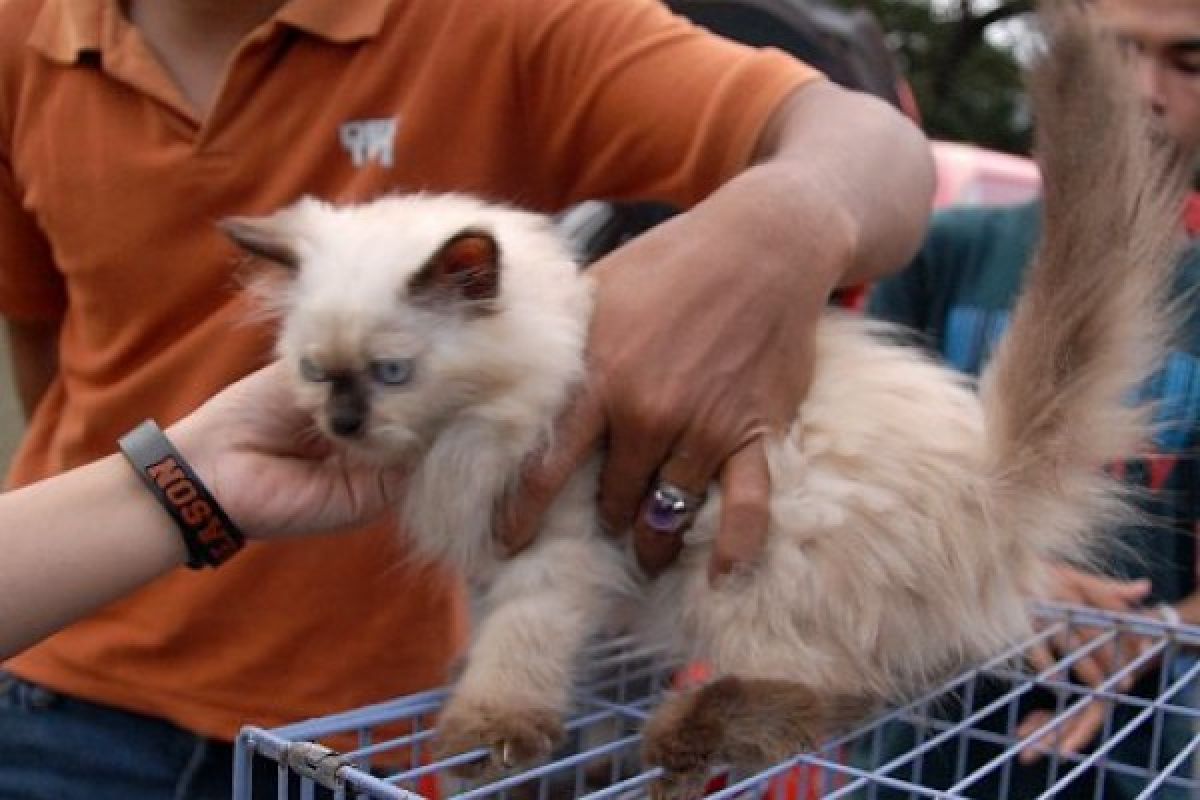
{"x": 466, "y": 269}
{"x": 269, "y": 238}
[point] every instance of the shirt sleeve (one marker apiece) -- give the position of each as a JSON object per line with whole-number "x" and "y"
{"x": 31, "y": 287}
{"x": 625, "y": 100}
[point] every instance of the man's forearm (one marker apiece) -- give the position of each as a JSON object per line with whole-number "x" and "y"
{"x": 843, "y": 168}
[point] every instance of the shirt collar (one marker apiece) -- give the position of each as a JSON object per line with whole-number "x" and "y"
{"x": 332, "y": 20}
{"x": 67, "y": 28}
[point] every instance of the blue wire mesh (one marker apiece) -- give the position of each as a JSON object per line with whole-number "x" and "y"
{"x": 969, "y": 731}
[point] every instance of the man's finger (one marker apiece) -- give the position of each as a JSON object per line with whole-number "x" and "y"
{"x": 1102, "y": 662}
{"x": 629, "y": 472}
{"x": 1072, "y": 736}
{"x": 1091, "y": 671}
{"x": 545, "y": 474}
{"x": 745, "y": 509}
{"x": 1081, "y": 731}
{"x": 1042, "y": 660}
{"x": 1136, "y": 590}
{"x": 1031, "y": 722}
{"x": 1113, "y": 595}
{"x": 1036, "y": 748}
{"x": 690, "y": 467}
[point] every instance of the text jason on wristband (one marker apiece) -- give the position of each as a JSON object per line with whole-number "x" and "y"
{"x": 208, "y": 532}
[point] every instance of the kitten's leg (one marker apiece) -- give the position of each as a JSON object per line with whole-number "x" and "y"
{"x": 517, "y": 683}
{"x": 742, "y": 722}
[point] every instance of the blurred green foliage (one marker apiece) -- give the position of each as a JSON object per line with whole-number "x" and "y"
{"x": 968, "y": 88}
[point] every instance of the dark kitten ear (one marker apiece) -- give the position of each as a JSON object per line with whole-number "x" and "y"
{"x": 464, "y": 269}
{"x": 269, "y": 238}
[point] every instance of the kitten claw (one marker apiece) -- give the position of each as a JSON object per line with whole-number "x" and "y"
{"x": 513, "y": 738}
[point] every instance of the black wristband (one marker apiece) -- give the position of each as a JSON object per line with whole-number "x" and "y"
{"x": 209, "y": 533}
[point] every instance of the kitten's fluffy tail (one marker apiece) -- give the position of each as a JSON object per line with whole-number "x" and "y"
{"x": 1092, "y": 322}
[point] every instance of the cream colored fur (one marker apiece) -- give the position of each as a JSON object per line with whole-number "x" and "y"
{"x": 910, "y": 516}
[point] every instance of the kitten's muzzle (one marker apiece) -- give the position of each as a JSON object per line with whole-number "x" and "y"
{"x": 348, "y": 407}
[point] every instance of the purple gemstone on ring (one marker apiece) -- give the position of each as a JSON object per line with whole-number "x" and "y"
{"x": 667, "y": 510}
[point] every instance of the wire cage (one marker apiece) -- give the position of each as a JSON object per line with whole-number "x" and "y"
{"x": 988, "y": 733}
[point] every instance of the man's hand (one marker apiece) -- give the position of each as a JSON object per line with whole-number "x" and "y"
{"x": 697, "y": 350}
{"x": 702, "y": 340}
{"x": 1080, "y": 588}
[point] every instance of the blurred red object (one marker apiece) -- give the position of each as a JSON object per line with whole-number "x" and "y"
{"x": 1191, "y": 214}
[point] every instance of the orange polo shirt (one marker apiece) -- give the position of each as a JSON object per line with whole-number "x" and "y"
{"x": 109, "y": 186}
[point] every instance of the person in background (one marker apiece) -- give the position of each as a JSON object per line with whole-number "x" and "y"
{"x": 957, "y": 293}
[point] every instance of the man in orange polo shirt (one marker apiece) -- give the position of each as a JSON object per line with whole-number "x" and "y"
{"x": 128, "y": 128}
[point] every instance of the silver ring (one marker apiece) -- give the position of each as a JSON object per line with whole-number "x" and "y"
{"x": 669, "y": 508}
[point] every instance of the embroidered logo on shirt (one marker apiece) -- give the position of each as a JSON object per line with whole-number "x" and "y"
{"x": 368, "y": 140}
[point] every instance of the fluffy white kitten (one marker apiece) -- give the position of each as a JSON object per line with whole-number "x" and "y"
{"x": 910, "y": 516}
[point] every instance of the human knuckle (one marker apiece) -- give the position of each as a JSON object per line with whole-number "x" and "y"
{"x": 710, "y": 444}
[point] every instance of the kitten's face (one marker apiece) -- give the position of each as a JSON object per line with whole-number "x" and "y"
{"x": 365, "y": 377}
{"x": 381, "y": 319}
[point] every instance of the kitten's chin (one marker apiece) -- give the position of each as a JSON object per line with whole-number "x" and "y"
{"x": 377, "y": 449}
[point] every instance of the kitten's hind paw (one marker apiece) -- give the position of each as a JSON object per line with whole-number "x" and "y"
{"x": 512, "y": 737}
{"x": 683, "y": 739}
{"x": 679, "y": 786}
{"x": 740, "y": 722}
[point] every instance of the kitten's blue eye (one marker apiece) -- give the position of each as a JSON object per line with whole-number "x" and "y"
{"x": 311, "y": 372}
{"x": 392, "y": 371}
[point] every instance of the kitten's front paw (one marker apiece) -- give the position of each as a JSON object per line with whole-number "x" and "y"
{"x": 512, "y": 737}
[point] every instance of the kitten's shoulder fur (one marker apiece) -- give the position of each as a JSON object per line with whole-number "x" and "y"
{"x": 910, "y": 516}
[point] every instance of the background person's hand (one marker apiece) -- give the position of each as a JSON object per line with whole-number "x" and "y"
{"x": 1075, "y": 587}
{"x": 271, "y": 470}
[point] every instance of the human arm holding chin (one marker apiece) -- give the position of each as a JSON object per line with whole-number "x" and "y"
{"x": 82, "y": 539}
